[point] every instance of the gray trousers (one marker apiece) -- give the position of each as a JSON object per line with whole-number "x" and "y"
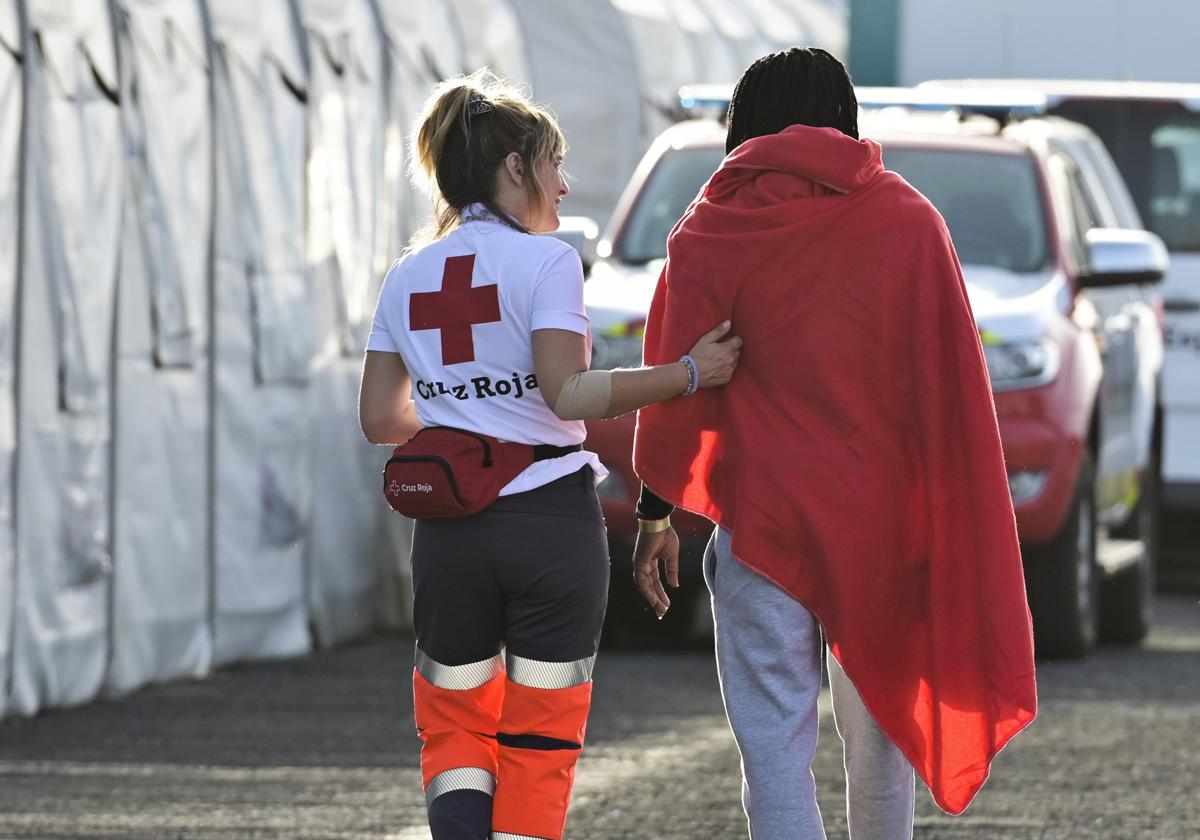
{"x": 769, "y": 660}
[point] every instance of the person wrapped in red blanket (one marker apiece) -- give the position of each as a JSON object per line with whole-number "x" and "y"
{"x": 855, "y": 457}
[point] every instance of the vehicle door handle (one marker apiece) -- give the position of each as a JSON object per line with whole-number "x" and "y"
{"x": 1181, "y": 305}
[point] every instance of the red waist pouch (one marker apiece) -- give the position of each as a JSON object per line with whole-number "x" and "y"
{"x": 447, "y": 473}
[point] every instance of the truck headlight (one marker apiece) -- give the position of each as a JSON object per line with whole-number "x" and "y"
{"x": 1025, "y": 485}
{"x": 1021, "y": 364}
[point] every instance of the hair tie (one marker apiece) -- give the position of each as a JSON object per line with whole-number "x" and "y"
{"x": 478, "y": 105}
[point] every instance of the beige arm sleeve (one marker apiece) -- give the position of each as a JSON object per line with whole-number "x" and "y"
{"x": 586, "y": 395}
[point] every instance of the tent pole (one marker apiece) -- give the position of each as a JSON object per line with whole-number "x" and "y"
{"x": 24, "y": 41}
{"x": 116, "y": 19}
{"x": 211, "y": 272}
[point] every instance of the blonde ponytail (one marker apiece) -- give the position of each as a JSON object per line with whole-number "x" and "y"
{"x": 468, "y": 126}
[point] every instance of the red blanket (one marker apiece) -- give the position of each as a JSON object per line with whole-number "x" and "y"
{"x": 855, "y": 456}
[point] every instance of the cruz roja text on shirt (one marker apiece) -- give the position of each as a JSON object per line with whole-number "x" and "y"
{"x": 480, "y": 388}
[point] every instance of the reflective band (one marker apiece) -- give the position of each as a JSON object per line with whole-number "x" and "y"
{"x": 460, "y": 778}
{"x": 500, "y": 835}
{"x": 459, "y": 677}
{"x": 535, "y": 674}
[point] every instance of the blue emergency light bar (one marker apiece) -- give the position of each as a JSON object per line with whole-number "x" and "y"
{"x": 706, "y": 100}
{"x": 1058, "y": 91}
{"x": 713, "y": 100}
{"x": 995, "y": 102}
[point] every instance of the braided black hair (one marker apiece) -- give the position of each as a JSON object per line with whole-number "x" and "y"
{"x": 801, "y": 85}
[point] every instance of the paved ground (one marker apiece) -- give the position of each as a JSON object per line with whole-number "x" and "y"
{"x": 323, "y": 748}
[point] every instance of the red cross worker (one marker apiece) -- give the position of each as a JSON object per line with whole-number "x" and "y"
{"x": 480, "y": 328}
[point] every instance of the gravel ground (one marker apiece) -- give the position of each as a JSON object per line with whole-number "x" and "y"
{"x": 323, "y": 747}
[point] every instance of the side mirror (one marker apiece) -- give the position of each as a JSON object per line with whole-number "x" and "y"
{"x": 1118, "y": 257}
{"x": 580, "y": 233}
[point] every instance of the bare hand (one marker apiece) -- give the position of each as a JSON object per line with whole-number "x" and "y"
{"x": 716, "y": 355}
{"x": 647, "y": 551}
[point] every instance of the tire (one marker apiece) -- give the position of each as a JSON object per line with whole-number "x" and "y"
{"x": 1127, "y": 599}
{"x": 1063, "y": 579}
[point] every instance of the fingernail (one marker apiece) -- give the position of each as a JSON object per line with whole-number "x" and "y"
{"x": 726, "y": 324}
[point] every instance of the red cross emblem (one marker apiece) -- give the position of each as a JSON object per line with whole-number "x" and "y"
{"x": 455, "y": 309}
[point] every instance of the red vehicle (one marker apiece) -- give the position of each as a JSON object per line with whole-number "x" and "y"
{"x": 1057, "y": 266}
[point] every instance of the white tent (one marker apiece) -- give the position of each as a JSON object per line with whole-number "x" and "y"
{"x": 714, "y": 55}
{"x": 492, "y": 37}
{"x": 425, "y": 46}
{"x": 346, "y": 119}
{"x": 71, "y": 230}
{"x": 822, "y": 24}
{"x": 776, "y": 21}
{"x": 664, "y": 60}
{"x": 207, "y": 195}
{"x": 162, "y": 579}
{"x": 583, "y": 65}
{"x": 11, "y": 101}
{"x": 347, "y": 254}
{"x": 262, "y": 332}
{"x": 738, "y": 26}
{"x": 428, "y": 34}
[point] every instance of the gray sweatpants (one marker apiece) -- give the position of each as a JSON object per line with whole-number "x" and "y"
{"x": 769, "y": 660}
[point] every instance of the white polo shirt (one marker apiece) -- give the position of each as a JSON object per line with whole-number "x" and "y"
{"x": 461, "y": 312}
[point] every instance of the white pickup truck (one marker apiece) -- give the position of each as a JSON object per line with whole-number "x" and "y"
{"x": 1152, "y": 130}
{"x": 1060, "y": 274}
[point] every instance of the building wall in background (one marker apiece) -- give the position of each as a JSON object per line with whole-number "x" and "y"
{"x": 873, "y": 41}
{"x": 1143, "y": 40}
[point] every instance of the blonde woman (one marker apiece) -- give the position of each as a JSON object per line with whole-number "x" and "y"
{"x": 483, "y": 329}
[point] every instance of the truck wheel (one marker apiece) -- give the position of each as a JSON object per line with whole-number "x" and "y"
{"x": 1127, "y": 598}
{"x": 1063, "y": 580}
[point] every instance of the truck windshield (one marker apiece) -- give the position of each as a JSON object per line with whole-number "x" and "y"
{"x": 673, "y": 183}
{"x": 1157, "y": 148}
{"x": 992, "y": 203}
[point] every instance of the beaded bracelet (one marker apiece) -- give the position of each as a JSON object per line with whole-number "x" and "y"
{"x": 693, "y": 375}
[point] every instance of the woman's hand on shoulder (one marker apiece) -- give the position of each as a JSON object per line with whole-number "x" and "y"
{"x": 716, "y": 355}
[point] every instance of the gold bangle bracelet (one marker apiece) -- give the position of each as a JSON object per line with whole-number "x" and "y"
{"x": 654, "y": 526}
